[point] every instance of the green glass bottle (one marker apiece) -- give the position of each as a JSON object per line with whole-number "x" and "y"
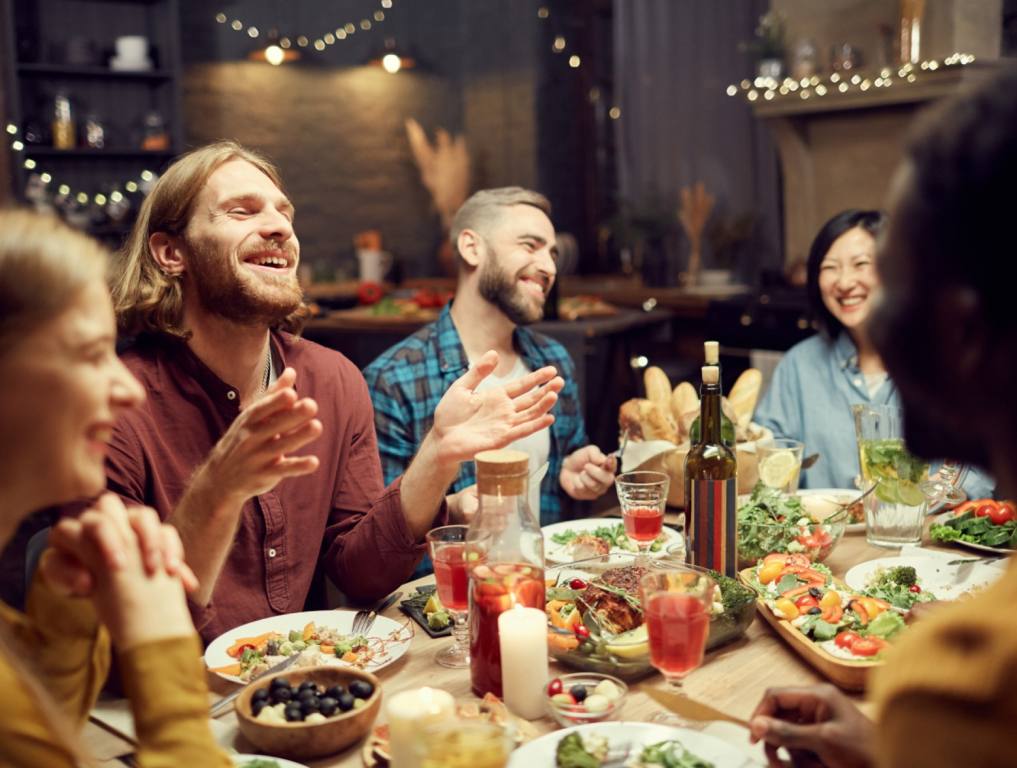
{"x": 711, "y": 486}
{"x": 711, "y": 352}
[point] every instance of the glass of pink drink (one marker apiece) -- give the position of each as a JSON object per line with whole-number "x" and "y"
{"x": 642, "y": 496}
{"x": 676, "y": 609}
{"x": 453, "y": 558}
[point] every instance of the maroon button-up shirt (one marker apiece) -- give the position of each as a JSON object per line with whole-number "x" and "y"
{"x": 340, "y": 519}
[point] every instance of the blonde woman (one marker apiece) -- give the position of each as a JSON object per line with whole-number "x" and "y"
{"x": 111, "y": 576}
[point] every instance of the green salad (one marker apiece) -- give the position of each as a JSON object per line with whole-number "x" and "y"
{"x": 899, "y": 587}
{"x": 613, "y": 535}
{"x": 976, "y": 530}
{"x": 769, "y": 522}
{"x": 592, "y": 751}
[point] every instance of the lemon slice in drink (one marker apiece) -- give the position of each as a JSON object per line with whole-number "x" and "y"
{"x": 634, "y": 644}
{"x": 778, "y": 469}
{"x": 910, "y": 494}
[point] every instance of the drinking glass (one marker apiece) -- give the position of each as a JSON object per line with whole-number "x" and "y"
{"x": 642, "y": 496}
{"x": 780, "y": 464}
{"x": 463, "y": 744}
{"x": 676, "y": 609}
{"x": 942, "y": 488}
{"x": 453, "y": 557}
{"x": 897, "y": 516}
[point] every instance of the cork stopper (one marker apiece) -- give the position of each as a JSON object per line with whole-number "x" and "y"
{"x": 711, "y": 374}
{"x": 712, "y": 351}
{"x": 504, "y": 472}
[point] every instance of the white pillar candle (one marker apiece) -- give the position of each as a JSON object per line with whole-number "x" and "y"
{"x": 408, "y": 713}
{"x": 522, "y": 633}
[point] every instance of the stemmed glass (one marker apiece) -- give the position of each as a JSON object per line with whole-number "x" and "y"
{"x": 942, "y": 487}
{"x": 676, "y": 609}
{"x": 642, "y": 496}
{"x": 453, "y": 558}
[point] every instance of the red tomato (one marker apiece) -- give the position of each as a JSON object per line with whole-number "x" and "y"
{"x": 985, "y": 507}
{"x": 369, "y": 293}
{"x": 805, "y": 602}
{"x": 868, "y": 646}
{"x": 914, "y": 588}
{"x": 577, "y": 584}
{"x": 847, "y": 639}
{"x": 1003, "y": 513}
{"x": 582, "y": 632}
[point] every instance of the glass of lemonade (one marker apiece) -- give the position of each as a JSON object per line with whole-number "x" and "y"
{"x": 464, "y": 744}
{"x": 897, "y": 516}
{"x": 780, "y": 463}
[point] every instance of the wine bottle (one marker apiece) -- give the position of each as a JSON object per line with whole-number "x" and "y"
{"x": 711, "y": 486}
{"x": 711, "y": 353}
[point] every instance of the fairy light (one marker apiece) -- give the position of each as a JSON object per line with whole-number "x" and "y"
{"x": 574, "y": 62}
{"x": 558, "y": 45}
{"x": 837, "y": 83}
{"x": 614, "y": 113}
{"x": 17, "y": 146}
{"x": 63, "y": 189}
{"x": 131, "y": 186}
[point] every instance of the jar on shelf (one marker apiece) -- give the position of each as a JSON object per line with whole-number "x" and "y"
{"x": 64, "y": 133}
{"x": 154, "y": 136}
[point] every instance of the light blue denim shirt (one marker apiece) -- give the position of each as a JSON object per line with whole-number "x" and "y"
{"x": 810, "y": 399}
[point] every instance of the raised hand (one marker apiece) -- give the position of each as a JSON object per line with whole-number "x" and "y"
{"x": 251, "y": 457}
{"x": 467, "y": 422}
{"x": 586, "y": 473}
{"x": 818, "y": 725}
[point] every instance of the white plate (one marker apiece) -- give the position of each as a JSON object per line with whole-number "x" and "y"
{"x": 397, "y": 636}
{"x": 820, "y": 502}
{"x": 941, "y": 520}
{"x": 947, "y": 582}
{"x": 540, "y": 753}
{"x": 558, "y": 553}
{"x": 242, "y": 760}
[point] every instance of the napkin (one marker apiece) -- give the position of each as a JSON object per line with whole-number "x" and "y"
{"x": 638, "y": 452}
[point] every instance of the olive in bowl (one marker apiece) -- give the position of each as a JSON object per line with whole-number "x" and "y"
{"x": 310, "y": 712}
{"x": 584, "y": 697}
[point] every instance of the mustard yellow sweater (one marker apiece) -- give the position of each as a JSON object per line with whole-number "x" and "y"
{"x": 70, "y": 652}
{"x": 948, "y": 694}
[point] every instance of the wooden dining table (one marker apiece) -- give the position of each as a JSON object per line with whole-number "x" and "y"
{"x": 732, "y": 678}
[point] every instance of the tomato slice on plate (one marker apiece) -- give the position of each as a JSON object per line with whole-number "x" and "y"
{"x": 868, "y": 646}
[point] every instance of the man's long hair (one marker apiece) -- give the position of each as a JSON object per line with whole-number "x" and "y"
{"x": 147, "y": 300}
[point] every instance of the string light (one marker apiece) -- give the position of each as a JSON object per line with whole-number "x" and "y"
{"x": 320, "y": 42}
{"x": 814, "y": 87}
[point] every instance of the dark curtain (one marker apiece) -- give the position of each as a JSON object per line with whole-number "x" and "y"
{"x": 673, "y": 62}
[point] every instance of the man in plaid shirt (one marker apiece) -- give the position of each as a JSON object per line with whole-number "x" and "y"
{"x": 506, "y": 247}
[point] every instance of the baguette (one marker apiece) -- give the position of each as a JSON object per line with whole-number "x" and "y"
{"x": 645, "y": 420}
{"x": 684, "y": 408}
{"x": 744, "y": 395}
{"x": 658, "y": 387}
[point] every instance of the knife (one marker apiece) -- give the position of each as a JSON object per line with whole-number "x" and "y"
{"x": 223, "y": 704}
{"x": 692, "y": 709}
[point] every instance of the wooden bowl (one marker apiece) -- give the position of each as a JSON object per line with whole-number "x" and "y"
{"x": 309, "y": 740}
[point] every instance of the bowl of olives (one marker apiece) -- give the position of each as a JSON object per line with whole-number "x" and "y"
{"x": 310, "y": 712}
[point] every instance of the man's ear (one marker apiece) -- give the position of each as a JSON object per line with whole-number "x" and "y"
{"x": 167, "y": 253}
{"x": 471, "y": 247}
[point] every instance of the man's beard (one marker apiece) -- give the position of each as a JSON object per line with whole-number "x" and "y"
{"x": 224, "y": 289}
{"x": 502, "y": 290}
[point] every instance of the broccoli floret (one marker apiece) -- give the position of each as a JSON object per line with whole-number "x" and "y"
{"x": 438, "y": 619}
{"x": 904, "y": 575}
{"x": 572, "y": 754}
{"x": 733, "y": 596}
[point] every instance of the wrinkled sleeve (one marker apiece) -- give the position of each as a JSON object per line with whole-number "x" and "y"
{"x": 70, "y": 649}
{"x": 165, "y": 682}
{"x": 393, "y": 420}
{"x": 369, "y": 549}
{"x": 779, "y": 409}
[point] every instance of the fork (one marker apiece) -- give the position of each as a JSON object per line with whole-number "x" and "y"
{"x": 363, "y": 620}
{"x": 621, "y": 449}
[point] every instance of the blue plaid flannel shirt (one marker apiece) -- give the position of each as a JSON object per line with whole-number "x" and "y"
{"x": 408, "y": 380}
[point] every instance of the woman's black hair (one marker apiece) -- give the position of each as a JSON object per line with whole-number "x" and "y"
{"x": 873, "y": 223}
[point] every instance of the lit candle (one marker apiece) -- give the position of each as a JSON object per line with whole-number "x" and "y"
{"x": 522, "y": 633}
{"x": 408, "y": 713}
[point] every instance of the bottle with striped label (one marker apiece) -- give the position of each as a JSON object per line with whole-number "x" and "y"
{"x": 711, "y": 485}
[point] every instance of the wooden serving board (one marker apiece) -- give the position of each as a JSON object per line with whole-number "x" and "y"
{"x": 849, "y": 675}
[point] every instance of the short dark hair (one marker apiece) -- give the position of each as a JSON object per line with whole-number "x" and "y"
{"x": 873, "y": 223}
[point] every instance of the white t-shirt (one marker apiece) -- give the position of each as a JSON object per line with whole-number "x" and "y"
{"x": 538, "y": 445}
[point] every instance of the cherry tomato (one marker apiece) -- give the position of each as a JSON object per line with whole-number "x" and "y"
{"x": 582, "y": 632}
{"x": 914, "y": 588}
{"x": 805, "y": 602}
{"x": 554, "y": 687}
{"x": 577, "y": 584}
{"x": 847, "y": 639}
{"x": 986, "y": 508}
{"x": 868, "y": 646}
{"x": 369, "y": 293}
{"x": 1003, "y": 513}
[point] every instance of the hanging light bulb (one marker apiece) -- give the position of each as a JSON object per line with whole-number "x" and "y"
{"x": 391, "y": 63}
{"x": 392, "y": 58}
{"x": 274, "y": 52}
{"x": 274, "y": 55}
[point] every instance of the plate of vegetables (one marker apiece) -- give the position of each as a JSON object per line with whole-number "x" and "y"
{"x": 983, "y": 524}
{"x": 635, "y": 745}
{"x": 574, "y": 540}
{"x": 905, "y": 581}
{"x": 595, "y": 615}
{"x": 319, "y": 637}
{"x": 841, "y": 631}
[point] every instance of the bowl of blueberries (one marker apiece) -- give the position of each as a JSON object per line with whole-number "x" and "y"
{"x": 309, "y": 712}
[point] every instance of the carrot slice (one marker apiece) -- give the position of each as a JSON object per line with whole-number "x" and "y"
{"x": 308, "y": 631}
{"x": 258, "y": 641}
{"x": 229, "y": 669}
